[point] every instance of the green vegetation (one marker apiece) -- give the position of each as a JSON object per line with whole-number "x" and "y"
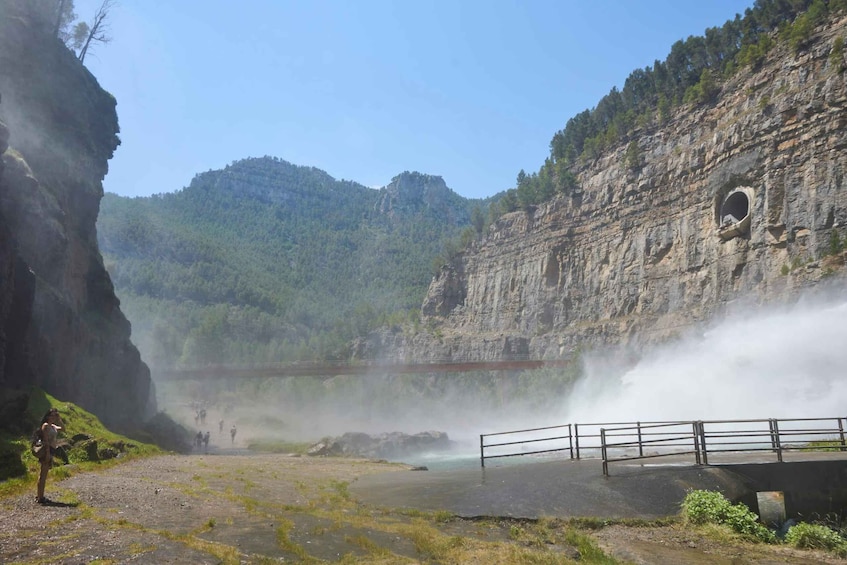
{"x": 797, "y": 33}
{"x": 57, "y": 18}
{"x": 824, "y": 445}
{"x": 836, "y": 56}
{"x": 86, "y": 445}
{"x": 632, "y": 156}
{"x": 278, "y": 446}
{"x": 836, "y": 244}
{"x": 706, "y": 507}
{"x": 265, "y": 261}
{"x": 816, "y": 536}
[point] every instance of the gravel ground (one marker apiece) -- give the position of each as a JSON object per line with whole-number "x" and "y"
{"x": 276, "y": 508}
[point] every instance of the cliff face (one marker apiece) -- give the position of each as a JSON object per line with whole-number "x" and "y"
{"x": 60, "y": 323}
{"x": 638, "y": 254}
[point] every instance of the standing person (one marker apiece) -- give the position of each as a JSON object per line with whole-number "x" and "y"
{"x": 206, "y": 441}
{"x": 221, "y": 427}
{"x": 232, "y": 433}
{"x": 48, "y": 435}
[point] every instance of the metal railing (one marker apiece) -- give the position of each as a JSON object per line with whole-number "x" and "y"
{"x": 576, "y": 439}
{"x": 627, "y": 441}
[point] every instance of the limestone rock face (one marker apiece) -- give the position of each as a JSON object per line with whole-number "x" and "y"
{"x": 640, "y": 255}
{"x": 60, "y": 323}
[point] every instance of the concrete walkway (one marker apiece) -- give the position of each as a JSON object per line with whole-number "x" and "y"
{"x": 563, "y": 488}
{"x": 648, "y": 489}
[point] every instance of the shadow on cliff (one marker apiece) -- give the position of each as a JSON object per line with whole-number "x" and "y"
{"x": 163, "y": 431}
{"x": 15, "y": 424}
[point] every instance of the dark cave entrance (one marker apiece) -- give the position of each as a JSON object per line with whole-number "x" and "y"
{"x": 735, "y": 208}
{"x": 733, "y": 217}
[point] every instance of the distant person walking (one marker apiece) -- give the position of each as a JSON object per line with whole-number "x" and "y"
{"x": 47, "y": 437}
{"x": 232, "y": 433}
{"x": 221, "y": 427}
{"x": 206, "y": 442}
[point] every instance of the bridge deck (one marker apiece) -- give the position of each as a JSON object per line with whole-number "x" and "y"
{"x": 337, "y": 369}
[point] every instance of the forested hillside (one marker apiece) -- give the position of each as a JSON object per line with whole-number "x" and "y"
{"x": 265, "y": 261}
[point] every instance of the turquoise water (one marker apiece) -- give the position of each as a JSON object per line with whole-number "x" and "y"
{"x": 453, "y": 460}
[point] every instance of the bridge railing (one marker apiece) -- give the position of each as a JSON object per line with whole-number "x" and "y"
{"x": 533, "y": 441}
{"x": 627, "y": 441}
{"x": 332, "y": 369}
{"x": 578, "y": 440}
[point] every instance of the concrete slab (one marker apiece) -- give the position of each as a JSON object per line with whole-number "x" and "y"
{"x": 550, "y": 488}
{"x": 648, "y": 489}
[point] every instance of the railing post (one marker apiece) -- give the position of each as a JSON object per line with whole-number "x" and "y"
{"x": 576, "y": 436}
{"x": 640, "y": 446}
{"x": 704, "y": 449}
{"x": 603, "y": 452}
{"x": 481, "y": 450}
{"x": 841, "y": 433}
{"x": 570, "y": 440}
{"x": 695, "y": 433}
{"x": 770, "y": 429}
{"x": 775, "y": 427}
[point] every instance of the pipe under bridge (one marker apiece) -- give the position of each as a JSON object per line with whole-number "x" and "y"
{"x": 329, "y": 370}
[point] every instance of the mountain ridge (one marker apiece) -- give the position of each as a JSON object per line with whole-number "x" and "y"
{"x": 313, "y": 255}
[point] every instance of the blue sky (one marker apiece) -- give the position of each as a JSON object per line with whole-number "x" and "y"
{"x": 469, "y": 90}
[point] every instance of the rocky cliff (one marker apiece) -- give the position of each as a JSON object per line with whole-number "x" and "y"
{"x": 61, "y": 327}
{"x": 739, "y": 202}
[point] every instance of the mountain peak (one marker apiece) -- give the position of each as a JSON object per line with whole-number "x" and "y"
{"x": 411, "y": 193}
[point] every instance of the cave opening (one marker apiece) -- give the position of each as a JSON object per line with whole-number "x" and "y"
{"x": 735, "y": 208}
{"x": 733, "y": 213}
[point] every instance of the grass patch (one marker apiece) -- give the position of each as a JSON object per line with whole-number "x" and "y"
{"x": 373, "y": 548}
{"x": 284, "y": 540}
{"x": 588, "y": 550}
{"x": 278, "y": 446}
{"x": 96, "y": 447}
{"x": 824, "y": 445}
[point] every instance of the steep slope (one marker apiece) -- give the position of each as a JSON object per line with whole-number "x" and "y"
{"x": 267, "y": 261}
{"x": 740, "y": 201}
{"x": 60, "y": 323}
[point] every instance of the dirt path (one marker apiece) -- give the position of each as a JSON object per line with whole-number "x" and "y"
{"x": 276, "y": 508}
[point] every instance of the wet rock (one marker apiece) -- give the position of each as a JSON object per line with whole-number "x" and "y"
{"x": 384, "y": 446}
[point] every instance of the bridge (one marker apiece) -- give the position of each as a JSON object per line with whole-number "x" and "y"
{"x": 699, "y": 441}
{"x": 329, "y": 370}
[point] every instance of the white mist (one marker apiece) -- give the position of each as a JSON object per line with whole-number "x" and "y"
{"x": 790, "y": 363}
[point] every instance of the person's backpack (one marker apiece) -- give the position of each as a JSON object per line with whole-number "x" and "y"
{"x": 37, "y": 446}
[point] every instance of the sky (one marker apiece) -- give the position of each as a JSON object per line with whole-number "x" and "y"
{"x": 470, "y": 90}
